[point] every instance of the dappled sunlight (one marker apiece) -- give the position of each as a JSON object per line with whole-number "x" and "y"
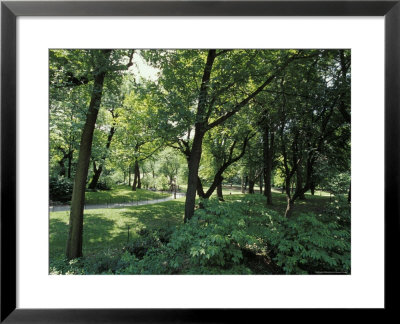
{"x": 108, "y": 228}
{"x": 211, "y": 163}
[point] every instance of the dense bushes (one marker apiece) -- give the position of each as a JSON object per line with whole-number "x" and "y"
{"x": 103, "y": 185}
{"x": 223, "y": 238}
{"x": 308, "y": 244}
{"x": 60, "y": 189}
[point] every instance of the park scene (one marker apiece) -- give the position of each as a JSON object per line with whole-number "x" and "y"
{"x": 199, "y": 161}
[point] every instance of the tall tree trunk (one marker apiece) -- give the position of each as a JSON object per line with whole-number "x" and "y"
{"x": 129, "y": 176}
{"x": 267, "y": 152}
{"x": 199, "y": 131}
{"x": 245, "y": 183}
{"x": 251, "y": 185}
{"x": 134, "y": 184}
{"x": 135, "y": 176}
{"x": 242, "y": 184}
{"x": 202, "y": 126}
{"x": 312, "y": 187}
{"x": 219, "y": 192}
{"x": 137, "y": 171}
{"x": 70, "y": 157}
{"x": 290, "y": 202}
{"x": 299, "y": 182}
{"x": 193, "y": 165}
{"x": 74, "y": 242}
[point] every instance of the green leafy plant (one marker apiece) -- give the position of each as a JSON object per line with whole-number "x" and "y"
{"x": 309, "y": 244}
{"x": 60, "y": 189}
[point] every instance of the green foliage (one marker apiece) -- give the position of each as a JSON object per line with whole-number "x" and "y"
{"x": 60, "y": 189}
{"x": 103, "y": 185}
{"x": 221, "y": 236}
{"x": 310, "y": 243}
{"x": 148, "y": 124}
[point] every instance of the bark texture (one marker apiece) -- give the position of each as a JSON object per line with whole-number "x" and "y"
{"x": 74, "y": 242}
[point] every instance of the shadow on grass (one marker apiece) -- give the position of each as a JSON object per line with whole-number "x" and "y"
{"x": 97, "y": 234}
{"x": 108, "y": 229}
{"x": 169, "y": 213}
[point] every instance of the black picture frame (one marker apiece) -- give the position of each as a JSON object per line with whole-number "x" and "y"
{"x": 10, "y": 10}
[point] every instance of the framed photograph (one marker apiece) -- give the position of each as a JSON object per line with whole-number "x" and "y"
{"x": 198, "y": 98}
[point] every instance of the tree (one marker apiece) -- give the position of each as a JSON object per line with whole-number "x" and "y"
{"x": 229, "y": 80}
{"x": 310, "y": 119}
{"x": 226, "y": 145}
{"x": 102, "y": 62}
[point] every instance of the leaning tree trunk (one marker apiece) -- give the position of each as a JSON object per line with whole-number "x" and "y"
{"x": 289, "y": 208}
{"x": 200, "y": 190}
{"x": 193, "y": 165}
{"x": 74, "y": 242}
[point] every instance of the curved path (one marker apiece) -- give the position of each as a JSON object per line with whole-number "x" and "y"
{"x": 118, "y": 205}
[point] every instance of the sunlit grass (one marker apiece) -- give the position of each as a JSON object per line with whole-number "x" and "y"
{"x": 122, "y": 194}
{"x": 108, "y": 228}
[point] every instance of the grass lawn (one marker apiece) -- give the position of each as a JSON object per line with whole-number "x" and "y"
{"x": 108, "y": 228}
{"x": 122, "y": 194}
{"x": 314, "y": 203}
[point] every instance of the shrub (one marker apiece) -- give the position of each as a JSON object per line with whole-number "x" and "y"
{"x": 60, "y": 189}
{"x": 309, "y": 244}
{"x": 220, "y": 237}
{"x": 141, "y": 245}
{"x": 103, "y": 185}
